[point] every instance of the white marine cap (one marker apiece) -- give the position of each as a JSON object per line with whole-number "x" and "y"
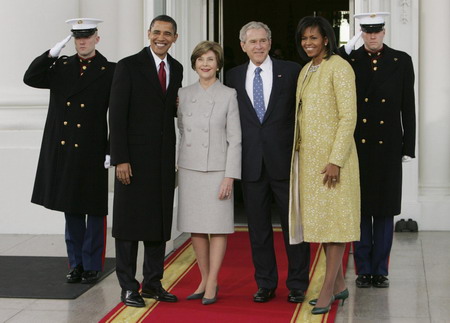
{"x": 371, "y": 22}
{"x": 83, "y": 27}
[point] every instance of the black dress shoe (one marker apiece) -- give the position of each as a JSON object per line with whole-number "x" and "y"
{"x": 132, "y": 298}
{"x": 380, "y": 281}
{"x": 90, "y": 277}
{"x": 75, "y": 274}
{"x": 364, "y": 281}
{"x": 263, "y": 295}
{"x": 160, "y": 294}
{"x": 296, "y": 296}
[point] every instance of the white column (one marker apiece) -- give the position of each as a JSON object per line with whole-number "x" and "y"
{"x": 435, "y": 113}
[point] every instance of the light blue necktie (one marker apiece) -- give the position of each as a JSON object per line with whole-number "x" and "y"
{"x": 258, "y": 95}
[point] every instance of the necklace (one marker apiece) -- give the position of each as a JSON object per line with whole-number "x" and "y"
{"x": 314, "y": 68}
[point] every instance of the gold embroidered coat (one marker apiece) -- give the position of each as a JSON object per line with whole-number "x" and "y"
{"x": 324, "y": 127}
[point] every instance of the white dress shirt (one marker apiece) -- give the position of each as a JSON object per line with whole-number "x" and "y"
{"x": 266, "y": 76}
{"x": 166, "y": 65}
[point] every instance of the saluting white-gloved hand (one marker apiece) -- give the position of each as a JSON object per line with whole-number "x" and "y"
{"x": 351, "y": 43}
{"x": 56, "y": 50}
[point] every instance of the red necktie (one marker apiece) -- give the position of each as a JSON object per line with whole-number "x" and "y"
{"x": 162, "y": 76}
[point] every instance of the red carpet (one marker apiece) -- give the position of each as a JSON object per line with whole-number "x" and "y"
{"x": 235, "y": 303}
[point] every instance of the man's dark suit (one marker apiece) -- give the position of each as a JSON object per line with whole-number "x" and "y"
{"x": 266, "y": 157}
{"x": 143, "y": 134}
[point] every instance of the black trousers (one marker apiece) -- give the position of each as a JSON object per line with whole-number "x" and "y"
{"x": 85, "y": 237}
{"x": 372, "y": 251}
{"x": 126, "y": 263}
{"x": 258, "y": 197}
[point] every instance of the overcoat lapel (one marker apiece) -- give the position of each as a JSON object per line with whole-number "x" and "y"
{"x": 173, "y": 76}
{"x": 148, "y": 70}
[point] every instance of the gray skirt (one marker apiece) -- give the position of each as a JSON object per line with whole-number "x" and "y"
{"x": 199, "y": 208}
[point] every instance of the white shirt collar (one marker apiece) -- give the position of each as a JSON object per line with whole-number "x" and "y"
{"x": 265, "y": 66}
{"x": 157, "y": 59}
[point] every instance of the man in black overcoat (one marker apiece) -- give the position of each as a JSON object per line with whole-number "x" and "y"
{"x": 267, "y": 138}
{"x": 385, "y": 135}
{"x": 71, "y": 176}
{"x": 142, "y": 136}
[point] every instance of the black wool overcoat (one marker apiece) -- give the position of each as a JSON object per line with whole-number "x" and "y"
{"x": 70, "y": 175}
{"x": 142, "y": 133}
{"x": 386, "y": 126}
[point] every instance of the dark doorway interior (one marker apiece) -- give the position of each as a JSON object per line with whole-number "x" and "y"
{"x": 282, "y": 17}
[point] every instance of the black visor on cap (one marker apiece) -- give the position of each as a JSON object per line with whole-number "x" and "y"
{"x": 375, "y": 28}
{"x": 83, "y": 33}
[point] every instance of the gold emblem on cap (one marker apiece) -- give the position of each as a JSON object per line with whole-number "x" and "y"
{"x": 373, "y": 15}
{"x": 79, "y": 22}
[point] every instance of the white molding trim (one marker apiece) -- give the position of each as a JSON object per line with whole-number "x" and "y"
{"x": 406, "y": 11}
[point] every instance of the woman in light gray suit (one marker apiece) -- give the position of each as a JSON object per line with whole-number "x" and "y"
{"x": 209, "y": 160}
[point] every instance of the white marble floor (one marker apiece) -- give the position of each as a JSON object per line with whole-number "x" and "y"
{"x": 419, "y": 291}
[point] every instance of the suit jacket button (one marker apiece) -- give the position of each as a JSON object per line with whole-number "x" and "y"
{"x": 383, "y": 100}
{"x": 82, "y": 105}
{"x": 78, "y": 125}
{"x": 380, "y": 142}
{"x": 366, "y": 99}
{"x": 188, "y": 145}
{"x": 363, "y": 141}
{"x": 364, "y": 120}
{"x": 65, "y": 123}
{"x": 76, "y": 145}
{"x": 63, "y": 142}
{"x": 189, "y": 114}
{"x": 68, "y": 103}
{"x": 188, "y": 129}
{"x": 381, "y": 122}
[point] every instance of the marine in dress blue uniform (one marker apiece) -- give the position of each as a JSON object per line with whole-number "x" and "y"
{"x": 71, "y": 176}
{"x": 385, "y": 135}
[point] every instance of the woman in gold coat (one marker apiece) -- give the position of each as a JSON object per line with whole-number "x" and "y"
{"x": 325, "y": 195}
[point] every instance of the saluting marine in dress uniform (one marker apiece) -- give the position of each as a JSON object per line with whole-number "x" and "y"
{"x": 71, "y": 176}
{"x": 385, "y": 134}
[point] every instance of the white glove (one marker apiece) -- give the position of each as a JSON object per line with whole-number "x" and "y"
{"x": 406, "y": 159}
{"x": 107, "y": 163}
{"x": 54, "y": 52}
{"x": 351, "y": 43}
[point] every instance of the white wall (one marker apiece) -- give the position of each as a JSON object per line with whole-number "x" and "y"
{"x": 434, "y": 115}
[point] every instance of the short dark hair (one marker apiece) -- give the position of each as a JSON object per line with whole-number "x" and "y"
{"x": 164, "y": 18}
{"x": 325, "y": 30}
{"x": 204, "y": 47}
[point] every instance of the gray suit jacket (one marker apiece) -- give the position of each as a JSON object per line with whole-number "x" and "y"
{"x": 210, "y": 129}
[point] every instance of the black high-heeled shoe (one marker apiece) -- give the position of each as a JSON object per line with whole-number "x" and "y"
{"x": 341, "y": 295}
{"x": 195, "y": 296}
{"x": 323, "y": 310}
{"x": 209, "y": 301}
